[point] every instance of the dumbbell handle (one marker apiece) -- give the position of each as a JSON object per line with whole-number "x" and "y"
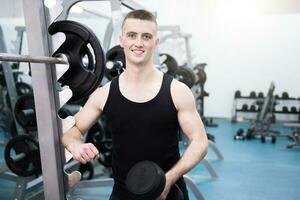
{"x": 18, "y": 157}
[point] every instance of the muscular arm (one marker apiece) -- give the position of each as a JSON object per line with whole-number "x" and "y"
{"x": 191, "y": 124}
{"x": 84, "y": 119}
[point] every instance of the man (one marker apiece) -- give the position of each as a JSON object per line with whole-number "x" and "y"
{"x": 145, "y": 109}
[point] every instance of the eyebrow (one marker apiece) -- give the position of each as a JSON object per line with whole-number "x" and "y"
{"x": 132, "y": 32}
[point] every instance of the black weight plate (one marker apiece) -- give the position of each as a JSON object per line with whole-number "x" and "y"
{"x": 81, "y": 80}
{"x": 168, "y": 63}
{"x": 26, "y": 161}
{"x": 115, "y": 62}
{"x": 25, "y": 112}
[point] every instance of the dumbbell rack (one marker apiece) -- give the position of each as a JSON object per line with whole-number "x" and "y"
{"x": 240, "y": 113}
{"x": 283, "y": 109}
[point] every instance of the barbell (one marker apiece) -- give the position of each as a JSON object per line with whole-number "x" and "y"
{"x": 81, "y": 50}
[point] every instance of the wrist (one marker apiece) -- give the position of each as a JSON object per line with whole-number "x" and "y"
{"x": 72, "y": 145}
{"x": 171, "y": 177}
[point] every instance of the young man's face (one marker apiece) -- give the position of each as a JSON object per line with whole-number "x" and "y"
{"x": 138, "y": 40}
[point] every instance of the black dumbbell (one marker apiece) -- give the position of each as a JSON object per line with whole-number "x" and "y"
{"x": 260, "y": 95}
{"x": 293, "y": 109}
{"x": 252, "y": 108}
{"x": 285, "y": 109}
{"x": 237, "y": 94}
{"x": 285, "y": 95}
{"x": 146, "y": 180}
{"x": 239, "y": 135}
{"x": 244, "y": 107}
{"x": 252, "y": 94}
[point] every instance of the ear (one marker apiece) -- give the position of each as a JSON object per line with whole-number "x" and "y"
{"x": 156, "y": 41}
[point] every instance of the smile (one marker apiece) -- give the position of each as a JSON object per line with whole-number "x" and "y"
{"x": 138, "y": 52}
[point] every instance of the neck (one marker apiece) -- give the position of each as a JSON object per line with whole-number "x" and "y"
{"x": 140, "y": 74}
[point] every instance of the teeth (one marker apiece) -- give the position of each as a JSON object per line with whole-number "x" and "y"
{"x": 138, "y": 51}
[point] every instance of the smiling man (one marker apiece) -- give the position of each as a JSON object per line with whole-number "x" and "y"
{"x": 145, "y": 109}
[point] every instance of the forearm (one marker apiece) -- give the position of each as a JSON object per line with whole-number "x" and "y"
{"x": 194, "y": 153}
{"x": 72, "y": 138}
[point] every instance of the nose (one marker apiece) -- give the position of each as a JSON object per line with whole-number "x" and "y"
{"x": 139, "y": 42}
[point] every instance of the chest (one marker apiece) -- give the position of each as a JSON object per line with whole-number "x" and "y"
{"x": 140, "y": 93}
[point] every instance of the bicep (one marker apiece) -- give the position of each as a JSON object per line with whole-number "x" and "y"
{"x": 190, "y": 122}
{"x": 87, "y": 116}
{"x": 188, "y": 117}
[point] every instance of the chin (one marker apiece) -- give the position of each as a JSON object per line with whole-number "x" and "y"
{"x": 138, "y": 61}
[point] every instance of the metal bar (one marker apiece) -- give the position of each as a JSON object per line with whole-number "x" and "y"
{"x": 210, "y": 168}
{"x": 214, "y": 147}
{"x": 10, "y": 84}
{"x": 95, "y": 12}
{"x": 67, "y": 4}
{"x": 46, "y": 101}
{"x": 131, "y": 4}
{"x": 196, "y": 191}
{"x": 108, "y": 36}
{"x": 188, "y": 51}
{"x": 169, "y": 28}
{"x": 33, "y": 59}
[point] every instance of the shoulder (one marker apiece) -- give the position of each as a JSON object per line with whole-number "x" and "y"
{"x": 100, "y": 95}
{"x": 182, "y": 95}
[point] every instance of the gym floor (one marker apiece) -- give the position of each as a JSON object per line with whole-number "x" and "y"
{"x": 250, "y": 170}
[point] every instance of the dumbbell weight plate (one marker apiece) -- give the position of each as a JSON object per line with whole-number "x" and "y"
{"x": 22, "y": 156}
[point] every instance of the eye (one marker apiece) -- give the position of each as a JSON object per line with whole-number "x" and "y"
{"x": 131, "y": 35}
{"x": 147, "y": 37}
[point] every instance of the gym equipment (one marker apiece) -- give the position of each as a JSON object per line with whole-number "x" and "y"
{"x": 244, "y": 107}
{"x": 168, "y": 64}
{"x": 260, "y": 127}
{"x": 9, "y": 91}
{"x": 260, "y": 95}
{"x": 26, "y": 161}
{"x": 253, "y": 108}
{"x": 294, "y": 110}
{"x": 25, "y": 112}
{"x": 285, "y": 95}
{"x": 211, "y": 137}
{"x": 252, "y": 94}
{"x": 239, "y": 135}
{"x": 23, "y": 88}
{"x": 87, "y": 171}
{"x": 285, "y": 109}
{"x": 185, "y": 75}
{"x": 146, "y": 180}
{"x": 295, "y": 136}
{"x": 81, "y": 78}
{"x": 80, "y": 191}
{"x": 200, "y": 73}
{"x": 96, "y": 136}
{"x": 200, "y": 93}
{"x": 237, "y": 94}
{"x": 115, "y": 62}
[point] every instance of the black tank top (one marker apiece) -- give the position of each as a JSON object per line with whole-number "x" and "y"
{"x": 141, "y": 131}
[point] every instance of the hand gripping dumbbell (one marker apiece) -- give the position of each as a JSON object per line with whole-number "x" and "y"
{"x": 146, "y": 181}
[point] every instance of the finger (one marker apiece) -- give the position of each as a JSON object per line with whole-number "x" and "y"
{"x": 94, "y": 149}
{"x": 81, "y": 160}
{"x": 85, "y": 156}
{"x": 97, "y": 157}
{"x": 90, "y": 154}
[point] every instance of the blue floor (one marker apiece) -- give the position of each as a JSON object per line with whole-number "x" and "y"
{"x": 250, "y": 170}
